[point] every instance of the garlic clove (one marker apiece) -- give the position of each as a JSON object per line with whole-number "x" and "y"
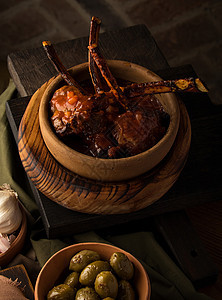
{"x": 4, "y": 243}
{"x": 10, "y": 213}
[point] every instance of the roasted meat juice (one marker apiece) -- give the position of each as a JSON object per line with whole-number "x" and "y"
{"x": 101, "y": 127}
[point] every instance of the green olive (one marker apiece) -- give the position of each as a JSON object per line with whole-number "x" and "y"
{"x": 122, "y": 265}
{"x": 81, "y": 259}
{"x": 86, "y": 293}
{"x": 125, "y": 291}
{"x": 61, "y": 292}
{"x": 89, "y": 273}
{"x": 106, "y": 285}
{"x": 72, "y": 280}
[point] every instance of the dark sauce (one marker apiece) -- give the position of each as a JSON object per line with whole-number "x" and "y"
{"x": 81, "y": 144}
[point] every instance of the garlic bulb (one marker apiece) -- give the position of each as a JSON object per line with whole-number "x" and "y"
{"x": 10, "y": 213}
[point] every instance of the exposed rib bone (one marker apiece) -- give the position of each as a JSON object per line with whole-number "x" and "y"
{"x": 93, "y": 69}
{"x": 165, "y": 86}
{"x": 52, "y": 55}
{"x": 105, "y": 71}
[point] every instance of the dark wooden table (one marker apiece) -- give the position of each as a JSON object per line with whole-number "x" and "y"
{"x": 200, "y": 179}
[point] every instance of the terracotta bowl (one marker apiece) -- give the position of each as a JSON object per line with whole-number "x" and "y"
{"x": 17, "y": 244}
{"x": 56, "y": 265}
{"x": 110, "y": 169}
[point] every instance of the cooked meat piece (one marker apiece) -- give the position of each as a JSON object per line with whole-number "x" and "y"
{"x": 82, "y": 115}
{"x": 111, "y": 121}
{"x": 141, "y": 127}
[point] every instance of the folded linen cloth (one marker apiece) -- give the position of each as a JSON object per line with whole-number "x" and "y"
{"x": 167, "y": 280}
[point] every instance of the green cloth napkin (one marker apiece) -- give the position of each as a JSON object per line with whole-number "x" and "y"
{"x": 167, "y": 280}
{"x": 9, "y": 158}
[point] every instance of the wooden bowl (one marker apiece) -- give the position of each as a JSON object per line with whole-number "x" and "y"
{"x": 59, "y": 262}
{"x": 109, "y": 169}
{"x": 17, "y": 244}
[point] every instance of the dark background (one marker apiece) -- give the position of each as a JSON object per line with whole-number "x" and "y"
{"x": 187, "y": 31}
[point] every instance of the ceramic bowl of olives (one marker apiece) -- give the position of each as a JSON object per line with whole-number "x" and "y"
{"x": 92, "y": 271}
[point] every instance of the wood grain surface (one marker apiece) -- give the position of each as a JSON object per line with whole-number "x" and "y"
{"x": 207, "y": 221}
{"x": 186, "y": 247}
{"x": 97, "y": 197}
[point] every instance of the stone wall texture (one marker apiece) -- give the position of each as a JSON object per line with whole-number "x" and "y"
{"x": 187, "y": 31}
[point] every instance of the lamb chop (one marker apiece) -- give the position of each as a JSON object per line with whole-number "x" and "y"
{"x": 120, "y": 121}
{"x": 141, "y": 125}
{"x": 74, "y": 111}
